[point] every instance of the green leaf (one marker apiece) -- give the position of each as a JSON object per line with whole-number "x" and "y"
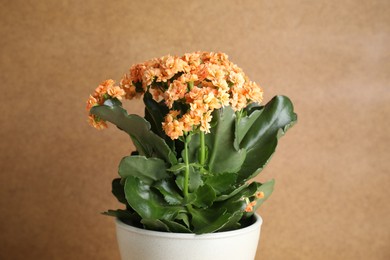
{"x": 146, "y": 202}
{"x": 155, "y": 113}
{"x": 147, "y": 143}
{"x": 261, "y": 139}
{"x": 267, "y": 188}
{"x": 243, "y": 125}
{"x": 237, "y": 202}
{"x": 209, "y": 220}
{"x": 175, "y": 227}
{"x": 195, "y": 179}
{"x": 232, "y": 205}
{"x": 165, "y": 225}
{"x": 146, "y": 169}
{"x": 155, "y": 224}
{"x": 193, "y": 148}
{"x": 170, "y": 191}
{"x": 118, "y": 190}
{"x": 233, "y": 193}
{"x": 177, "y": 168}
{"x": 250, "y": 108}
{"x": 184, "y": 218}
{"x": 205, "y": 196}
{"x": 131, "y": 218}
{"x": 247, "y": 192}
{"x": 223, "y": 157}
{"x": 222, "y": 182}
{"x": 180, "y": 182}
{"x": 119, "y": 213}
{"x": 234, "y": 222}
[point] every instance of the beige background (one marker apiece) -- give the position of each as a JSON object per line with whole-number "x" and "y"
{"x": 331, "y": 57}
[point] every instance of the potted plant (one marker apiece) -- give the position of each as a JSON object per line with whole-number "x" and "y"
{"x": 203, "y": 138}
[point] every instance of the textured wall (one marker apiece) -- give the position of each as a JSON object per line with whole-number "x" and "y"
{"x": 331, "y": 57}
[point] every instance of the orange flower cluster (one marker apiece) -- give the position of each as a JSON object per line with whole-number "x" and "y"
{"x": 204, "y": 81}
{"x": 104, "y": 91}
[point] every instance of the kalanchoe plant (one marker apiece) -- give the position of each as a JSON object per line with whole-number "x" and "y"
{"x": 203, "y": 138}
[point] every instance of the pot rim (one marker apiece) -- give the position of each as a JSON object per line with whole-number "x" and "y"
{"x": 256, "y": 225}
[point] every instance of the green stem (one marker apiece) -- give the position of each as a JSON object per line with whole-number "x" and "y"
{"x": 187, "y": 168}
{"x": 239, "y": 115}
{"x": 190, "y": 85}
{"x": 202, "y": 151}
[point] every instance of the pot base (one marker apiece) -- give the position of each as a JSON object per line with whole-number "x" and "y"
{"x": 140, "y": 244}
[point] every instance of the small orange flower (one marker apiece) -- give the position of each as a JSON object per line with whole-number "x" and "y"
{"x": 97, "y": 122}
{"x": 198, "y": 107}
{"x": 171, "y": 126}
{"x": 223, "y": 97}
{"x": 253, "y": 92}
{"x": 149, "y": 75}
{"x": 221, "y": 83}
{"x": 116, "y": 92}
{"x": 127, "y": 85}
{"x": 125, "y": 81}
{"x": 187, "y": 121}
{"x": 249, "y": 206}
{"x": 173, "y": 129}
{"x": 131, "y": 92}
{"x": 188, "y": 77}
{"x": 136, "y": 72}
{"x": 195, "y": 93}
{"x": 201, "y": 71}
{"x": 215, "y": 72}
{"x": 171, "y": 65}
{"x": 193, "y": 60}
{"x": 259, "y": 195}
{"x": 196, "y": 117}
{"x": 238, "y": 101}
{"x": 102, "y": 88}
{"x": 237, "y": 79}
{"x": 205, "y": 122}
{"x": 157, "y": 94}
{"x": 178, "y": 89}
{"x": 91, "y": 102}
{"x": 211, "y": 101}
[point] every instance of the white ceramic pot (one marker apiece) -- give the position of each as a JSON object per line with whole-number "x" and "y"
{"x": 139, "y": 244}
